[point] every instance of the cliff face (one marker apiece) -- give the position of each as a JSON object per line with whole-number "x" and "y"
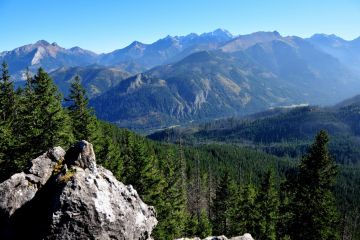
{"x": 65, "y": 195}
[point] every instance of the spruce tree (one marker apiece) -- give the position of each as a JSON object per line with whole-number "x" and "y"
{"x": 7, "y": 95}
{"x": 7, "y": 116}
{"x": 204, "y": 228}
{"x": 268, "y": 205}
{"x": 221, "y": 206}
{"x": 140, "y": 169}
{"x": 42, "y": 120}
{"x": 244, "y": 213}
{"x": 315, "y": 215}
{"x": 172, "y": 211}
{"x": 84, "y": 125}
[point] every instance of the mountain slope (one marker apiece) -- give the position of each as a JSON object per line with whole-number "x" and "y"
{"x": 348, "y": 52}
{"x": 214, "y": 84}
{"x": 96, "y": 79}
{"x": 204, "y": 85}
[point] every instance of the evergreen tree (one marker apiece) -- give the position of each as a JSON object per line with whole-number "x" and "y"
{"x": 42, "y": 122}
{"x": 204, "y": 228}
{"x": 7, "y": 95}
{"x": 244, "y": 213}
{"x": 315, "y": 215}
{"x": 7, "y": 115}
{"x": 268, "y": 205}
{"x": 141, "y": 171}
{"x": 172, "y": 210}
{"x": 191, "y": 226}
{"x": 84, "y": 124}
{"x": 221, "y": 206}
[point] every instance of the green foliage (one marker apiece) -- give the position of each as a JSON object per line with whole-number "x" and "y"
{"x": 315, "y": 214}
{"x": 8, "y": 104}
{"x": 198, "y": 225}
{"x": 7, "y": 95}
{"x": 172, "y": 209}
{"x": 268, "y": 205}
{"x": 34, "y": 122}
{"x": 204, "y": 228}
{"x": 42, "y": 122}
{"x": 221, "y": 206}
{"x": 245, "y": 218}
{"x": 84, "y": 125}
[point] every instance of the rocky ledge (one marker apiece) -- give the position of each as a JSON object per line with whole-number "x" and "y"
{"x": 65, "y": 195}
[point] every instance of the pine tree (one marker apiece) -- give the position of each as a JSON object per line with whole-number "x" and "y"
{"x": 268, "y": 205}
{"x": 315, "y": 215}
{"x": 84, "y": 124}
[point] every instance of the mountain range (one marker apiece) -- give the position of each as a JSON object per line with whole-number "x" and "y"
{"x": 200, "y": 77}
{"x": 134, "y": 58}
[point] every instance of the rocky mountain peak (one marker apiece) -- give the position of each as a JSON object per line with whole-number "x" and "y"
{"x": 222, "y": 32}
{"x": 65, "y": 195}
{"x": 42, "y": 43}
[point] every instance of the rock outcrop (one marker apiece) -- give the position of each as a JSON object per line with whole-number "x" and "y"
{"x": 67, "y": 196}
{"x": 246, "y": 236}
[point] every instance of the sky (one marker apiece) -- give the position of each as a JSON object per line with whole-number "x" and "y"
{"x": 106, "y": 25}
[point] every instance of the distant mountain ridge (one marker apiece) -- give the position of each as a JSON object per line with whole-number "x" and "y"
{"x": 273, "y": 71}
{"x": 135, "y": 58}
{"x": 201, "y": 77}
{"x": 346, "y": 51}
{"x": 139, "y": 57}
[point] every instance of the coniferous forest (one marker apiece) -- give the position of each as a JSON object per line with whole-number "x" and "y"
{"x": 197, "y": 189}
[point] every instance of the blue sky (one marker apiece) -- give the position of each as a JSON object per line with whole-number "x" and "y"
{"x": 105, "y": 25}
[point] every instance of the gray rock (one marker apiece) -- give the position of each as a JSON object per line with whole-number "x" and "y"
{"x": 82, "y": 155}
{"x": 78, "y": 201}
{"x": 196, "y": 238}
{"x": 246, "y": 236}
{"x": 222, "y": 237}
{"x": 22, "y": 187}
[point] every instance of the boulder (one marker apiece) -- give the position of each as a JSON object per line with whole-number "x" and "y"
{"x": 222, "y": 237}
{"x": 246, "y": 236}
{"x": 67, "y": 196}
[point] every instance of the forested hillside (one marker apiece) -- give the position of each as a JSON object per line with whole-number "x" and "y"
{"x": 281, "y": 131}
